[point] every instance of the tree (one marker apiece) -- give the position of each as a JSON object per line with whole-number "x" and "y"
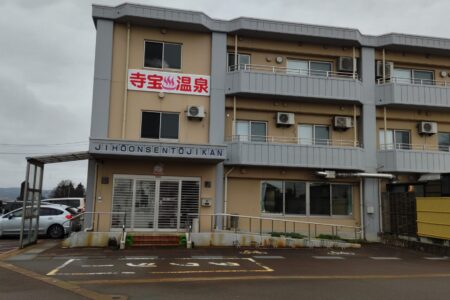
{"x": 64, "y": 189}
{"x": 80, "y": 191}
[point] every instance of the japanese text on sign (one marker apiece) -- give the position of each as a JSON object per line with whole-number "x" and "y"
{"x": 155, "y": 81}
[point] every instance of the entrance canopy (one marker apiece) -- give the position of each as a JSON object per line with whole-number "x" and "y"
{"x": 56, "y": 158}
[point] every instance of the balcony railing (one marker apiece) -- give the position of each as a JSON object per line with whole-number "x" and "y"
{"x": 415, "y": 147}
{"x": 292, "y": 140}
{"x": 293, "y": 71}
{"x": 416, "y": 81}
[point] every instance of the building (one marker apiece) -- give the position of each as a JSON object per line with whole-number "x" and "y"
{"x": 193, "y": 115}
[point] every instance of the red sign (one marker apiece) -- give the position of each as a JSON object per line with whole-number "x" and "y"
{"x": 155, "y": 81}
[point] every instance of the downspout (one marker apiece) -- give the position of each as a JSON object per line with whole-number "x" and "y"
{"x": 361, "y": 207}
{"x": 385, "y": 128}
{"x": 225, "y": 196}
{"x": 355, "y": 130}
{"x": 354, "y": 63}
{"x": 125, "y": 92}
{"x": 235, "y": 52}
{"x": 384, "y": 66}
{"x": 380, "y": 206}
{"x": 234, "y": 98}
{"x": 234, "y": 119}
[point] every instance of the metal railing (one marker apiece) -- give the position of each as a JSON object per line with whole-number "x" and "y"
{"x": 415, "y": 81}
{"x": 293, "y": 71}
{"x": 416, "y": 147}
{"x": 292, "y": 140}
{"x": 96, "y": 219}
{"x": 268, "y": 226}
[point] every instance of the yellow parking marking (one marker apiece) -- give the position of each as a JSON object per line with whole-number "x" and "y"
{"x": 263, "y": 277}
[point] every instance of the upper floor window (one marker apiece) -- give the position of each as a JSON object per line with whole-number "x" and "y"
{"x": 162, "y": 55}
{"x": 308, "y": 67}
{"x": 242, "y": 60}
{"x": 254, "y": 131}
{"x": 309, "y": 134}
{"x": 159, "y": 125}
{"x": 403, "y": 75}
{"x": 395, "y": 139}
{"x": 444, "y": 141}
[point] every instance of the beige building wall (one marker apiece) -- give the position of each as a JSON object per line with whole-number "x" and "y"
{"x": 195, "y": 59}
{"x": 407, "y": 119}
{"x": 305, "y": 113}
{"x": 110, "y": 167}
{"x": 264, "y": 51}
{"x": 244, "y": 197}
{"x": 420, "y": 61}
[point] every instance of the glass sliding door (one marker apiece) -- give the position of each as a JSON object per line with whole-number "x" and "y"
{"x": 144, "y": 204}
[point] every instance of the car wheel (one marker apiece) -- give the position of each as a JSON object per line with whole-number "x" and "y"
{"x": 55, "y": 231}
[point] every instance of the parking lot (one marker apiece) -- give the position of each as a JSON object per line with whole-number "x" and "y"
{"x": 233, "y": 273}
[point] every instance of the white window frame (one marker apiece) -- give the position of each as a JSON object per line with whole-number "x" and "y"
{"x": 309, "y": 65}
{"x": 238, "y": 55}
{"x": 160, "y": 120}
{"x": 313, "y": 141}
{"x": 162, "y": 58}
{"x": 393, "y": 145}
{"x": 248, "y": 138}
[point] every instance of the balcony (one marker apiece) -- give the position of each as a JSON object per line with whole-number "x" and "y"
{"x": 415, "y": 92}
{"x": 259, "y": 80}
{"x": 294, "y": 152}
{"x": 414, "y": 158}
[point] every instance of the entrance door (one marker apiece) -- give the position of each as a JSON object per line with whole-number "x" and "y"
{"x": 154, "y": 204}
{"x": 168, "y": 205}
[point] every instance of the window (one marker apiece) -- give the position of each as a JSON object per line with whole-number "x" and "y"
{"x": 402, "y": 75}
{"x": 162, "y": 55}
{"x": 46, "y": 211}
{"x": 243, "y": 59}
{"x": 159, "y": 125}
{"x": 444, "y": 141}
{"x": 313, "y": 134}
{"x": 254, "y": 131}
{"x": 306, "y": 198}
{"x": 305, "y": 67}
{"x": 398, "y": 138}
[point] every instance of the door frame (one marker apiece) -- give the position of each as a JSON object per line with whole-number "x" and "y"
{"x": 157, "y": 180}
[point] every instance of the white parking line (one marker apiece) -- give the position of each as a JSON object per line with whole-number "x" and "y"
{"x": 138, "y": 257}
{"x": 96, "y": 266}
{"x": 328, "y": 257}
{"x": 268, "y": 257}
{"x": 437, "y": 258}
{"x": 96, "y": 273}
{"x": 55, "y": 270}
{"x": 385, "y": 258}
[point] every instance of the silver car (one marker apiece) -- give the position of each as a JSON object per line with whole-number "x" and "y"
{"x": 54, "y": 221}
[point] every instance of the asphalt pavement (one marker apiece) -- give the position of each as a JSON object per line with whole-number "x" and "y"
{"x": 372, "y": 272}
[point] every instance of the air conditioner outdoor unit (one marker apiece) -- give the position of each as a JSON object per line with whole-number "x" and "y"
{"x": 427, "y": 127}
{"x": 389, "y": 68}
{"x": 342, "y": 123}
{"x": 345, "y": 64}
{"x": 285, "y": 119}
{"x": 195, "y": 112}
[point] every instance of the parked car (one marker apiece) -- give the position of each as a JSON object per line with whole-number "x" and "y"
{"x": 54, "y": 221}
{"x": 78, "y": 203}
{"x": 10, "y": 206}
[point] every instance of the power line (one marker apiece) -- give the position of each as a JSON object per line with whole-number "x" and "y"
{"x": 56, "y": 144}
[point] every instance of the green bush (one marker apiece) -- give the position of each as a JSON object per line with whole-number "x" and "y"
{"x": 328, "y": 237}
{"x": 293, "y": 235}
{"x": 182, "y": 240}
{"x": 129, "y": 241}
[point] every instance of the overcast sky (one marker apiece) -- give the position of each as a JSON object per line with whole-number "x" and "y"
{"x": 47, "y": 60}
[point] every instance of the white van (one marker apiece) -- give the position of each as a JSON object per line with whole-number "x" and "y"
{"x": 78, "y": 203}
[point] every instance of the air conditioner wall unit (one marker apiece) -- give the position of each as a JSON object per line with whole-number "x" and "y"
{"x": 389, "y": 68}
{"x": 345, "y": 64}
{"x": 195, "y": 112}
{"x": 342, "y": 123}
{"x": 285, "y": 119}
{"x": 428, "y": 128}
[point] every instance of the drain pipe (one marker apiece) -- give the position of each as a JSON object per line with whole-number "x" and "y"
{"x": 225, "y": 196}
{"x": 125, "y": 91}
{"x": 361, "y": 208}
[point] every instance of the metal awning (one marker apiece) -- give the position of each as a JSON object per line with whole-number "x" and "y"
{"x": 56, "y": 158}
